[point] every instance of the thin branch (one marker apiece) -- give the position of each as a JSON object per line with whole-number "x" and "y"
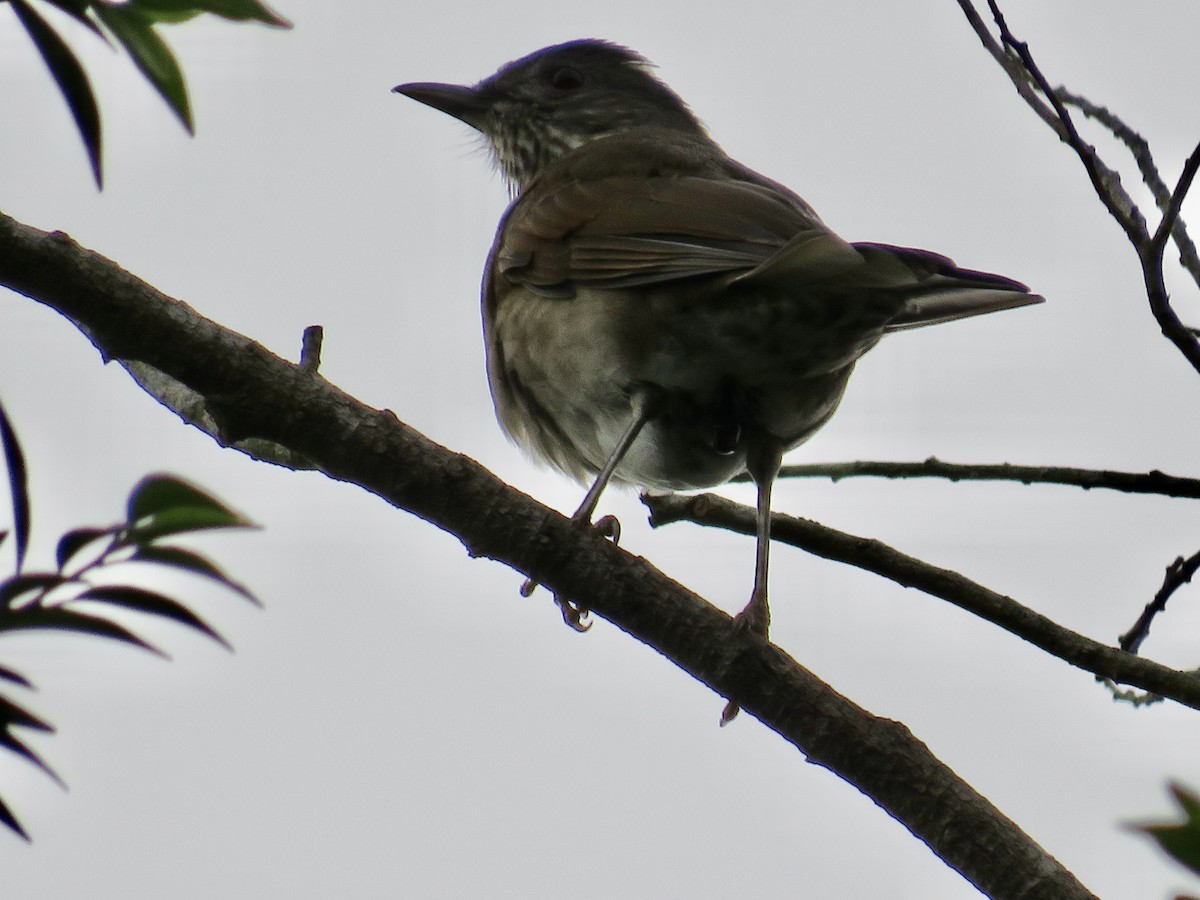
{"x": 1105, "y": 181}
{"x": 1171, "y": 213}
{"x": 1137, "y": 145}
{"x": 1152, "y": 482}
{"x": 250, "y": 392}
{"x": 1139, "y": 149}
{"x": 1151, "y": 256}
{"x": 1177, "y": 575}
{"x": 875, "y": 556}
{"x": 1013, "y": 68}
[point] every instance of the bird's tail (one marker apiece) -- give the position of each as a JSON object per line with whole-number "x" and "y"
{"x": 940, "y": 291}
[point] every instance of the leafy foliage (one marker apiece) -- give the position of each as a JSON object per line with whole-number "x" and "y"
{"x": 132, "y": 24}
{"x": 160, "y": 507}
{"x": 1180, "y": 839}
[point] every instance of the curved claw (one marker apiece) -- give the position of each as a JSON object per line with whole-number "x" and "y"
{"x": 573, "y": 614}
{"x": 754, "y": 620}
{"x": 729, "y": 713}
{"x": 609, "y": 527}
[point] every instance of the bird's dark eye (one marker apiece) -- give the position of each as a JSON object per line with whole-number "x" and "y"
{"x": 566, "y": 79}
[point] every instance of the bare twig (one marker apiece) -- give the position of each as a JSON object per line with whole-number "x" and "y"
{"x": 1171, "y": 213}
{"x": 1137, "y": 145}
{"x": 1105, "y": 181}
{"x": 1012, "y": 67}
{"x": 1152, "y": 482}
{"x": 1177, "y": 575}
{"x": 875, "y": 556}
{"x": 310, "y": 349}
{"x": 1139, "y": 149}
{"x": 1151, "y": 256}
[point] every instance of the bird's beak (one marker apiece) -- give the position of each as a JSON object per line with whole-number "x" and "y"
{"x": 460, "y": 101}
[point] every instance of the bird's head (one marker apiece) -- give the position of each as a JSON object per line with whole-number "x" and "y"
{"x": 545, "y": 104}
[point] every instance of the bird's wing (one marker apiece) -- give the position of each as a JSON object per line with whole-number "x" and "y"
{"x": 930, "y": 286}
{"x": 624, "y": 231}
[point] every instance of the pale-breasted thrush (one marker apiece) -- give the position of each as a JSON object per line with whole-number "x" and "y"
{"x": 657, "y": 313}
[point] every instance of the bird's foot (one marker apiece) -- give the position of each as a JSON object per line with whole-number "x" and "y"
{"x": 572, "y": 612}
{"x": 608, "y": 527}
{"x": 754, "y": 620}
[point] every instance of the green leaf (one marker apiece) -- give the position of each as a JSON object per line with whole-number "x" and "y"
{"x": 1180, "y": 840}
{"x": 179, "y": 521}
{"x": 155, "y": 604}
{"x": 163, "y": 505}
{"x": 234, "y": 10}
{"x": 189, "y": 561}
{"x": 161, "y": 493}
{"x": 18, "y": 486}
{"x": 37, "y": 618}
{"x": 12, "y": 588}
{"x": 167, "y": 16}
{"x": 71, "y": 80}
{"x": 74, "y": 541}
{"x": 151, "y": 54}
{"x": 77, "y": 10}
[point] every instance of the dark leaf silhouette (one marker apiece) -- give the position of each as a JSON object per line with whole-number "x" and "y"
{"x": 234, "y": 10}
{"x": 41, "y": 582}
{"x": 59, "y": 619}
{"x": 18, "y": 487}
{"x": 71, "y": 79}
{"x": 74, "y": 541}
{"x": 190, "y": 561}
{"x": 77, "y": 10}
{"x": 154, "y": 604}
{"x": 1182, "y": 839}
{"x": 151, "y": 54}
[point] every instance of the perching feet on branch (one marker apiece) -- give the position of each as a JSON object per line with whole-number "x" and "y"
{"x": 574, "y": 614}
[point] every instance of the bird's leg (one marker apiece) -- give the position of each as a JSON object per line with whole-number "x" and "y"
{"x": 762, "y": 462}
{"x": 640, "y": 408}
{"x": 642, "y": 412}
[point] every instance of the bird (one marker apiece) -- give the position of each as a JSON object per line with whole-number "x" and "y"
{"x": 658, "y": 314}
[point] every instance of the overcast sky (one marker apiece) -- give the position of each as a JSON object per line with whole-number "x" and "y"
{"x": 398, "y": 722}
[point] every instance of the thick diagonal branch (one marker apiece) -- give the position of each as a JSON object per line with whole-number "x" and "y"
{"x": 248, "y": 392}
